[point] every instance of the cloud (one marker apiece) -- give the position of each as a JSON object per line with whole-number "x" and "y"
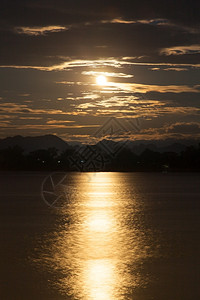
{"x": 35, "y": 31}
{"x": 120, "y": 106}
{"x": 116, "y": 87}
{"x": 118, "y": 21}
{"x": 94, "y": 63}
{"x": 118, "y": 62}
{"x": 144, "y": 88}
{"x": 184, "y": 128}
{"x": 176, "y": 69}
{"x": 155, "y": 22}
{"x": 175, "y": 130}
{"x": 154, "y": 69}
{"x": 109, "y": 74}
{"x": 13, "y": 108}
{"x": 156, "y": 65}
{"x": 59, "y": 121}
{"x": 50, "y": 126}
{"x": 44, "y": 43}
{"x": 89, "y": 10}
{"x": 77, "y": 63}
{"x": 147, "y": 21}
{"x": 24, "y": 95}
{"x": 84, "y": 138}
{"x": 181, "y": 50}
{"x": 113, "y": 28}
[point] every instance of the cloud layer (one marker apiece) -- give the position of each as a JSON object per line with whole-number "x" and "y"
{"x": 51, "y": 54}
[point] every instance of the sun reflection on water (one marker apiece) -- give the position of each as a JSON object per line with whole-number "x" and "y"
{"x": 99, "y": 278}
{"x": 94, "y": 250}
{"x": 99, "y": 222}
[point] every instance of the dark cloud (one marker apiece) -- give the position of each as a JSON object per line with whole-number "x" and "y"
{"x": 94, "y": 40}
{"x": 157, "y": 26}
{"x": 38, "y": 12}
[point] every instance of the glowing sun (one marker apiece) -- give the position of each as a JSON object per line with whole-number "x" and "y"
{"x": 101, "y": 80}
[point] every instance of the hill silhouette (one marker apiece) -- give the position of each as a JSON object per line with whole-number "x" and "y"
{"x": 32, "y": 143}
{"x": 51, "y": 153}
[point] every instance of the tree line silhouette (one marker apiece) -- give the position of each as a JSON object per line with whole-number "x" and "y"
{"x": 14, "y": 158}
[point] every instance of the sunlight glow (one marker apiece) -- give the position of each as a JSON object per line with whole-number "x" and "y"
{"x": 101, "y": 80}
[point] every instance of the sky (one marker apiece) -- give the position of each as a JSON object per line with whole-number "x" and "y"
{"x": 51, "y": 53}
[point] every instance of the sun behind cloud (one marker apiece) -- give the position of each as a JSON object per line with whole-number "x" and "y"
{"x": 101, "y": 80}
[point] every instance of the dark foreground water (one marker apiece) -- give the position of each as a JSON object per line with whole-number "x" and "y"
{"x": 100, "y": 236}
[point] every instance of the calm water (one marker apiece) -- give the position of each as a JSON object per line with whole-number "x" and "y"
{"x": 100, "y": 236}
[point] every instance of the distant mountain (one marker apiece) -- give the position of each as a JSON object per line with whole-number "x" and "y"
{"x": 32, "y": 143}
{"x": 109, "y": 146}
{"x": 177, "y": 146}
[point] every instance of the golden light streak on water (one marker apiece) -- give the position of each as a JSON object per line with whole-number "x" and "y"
{"x": 96, "y": 249}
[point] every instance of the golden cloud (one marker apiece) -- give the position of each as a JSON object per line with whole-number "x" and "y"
{"x": 39, "y": 30}
{"x": 99, "y": 63}
{"x": 181, "y": 50}
{"x": 108, "y": 74}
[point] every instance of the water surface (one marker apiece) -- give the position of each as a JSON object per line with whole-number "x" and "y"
{"x": 110, "y": 236}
